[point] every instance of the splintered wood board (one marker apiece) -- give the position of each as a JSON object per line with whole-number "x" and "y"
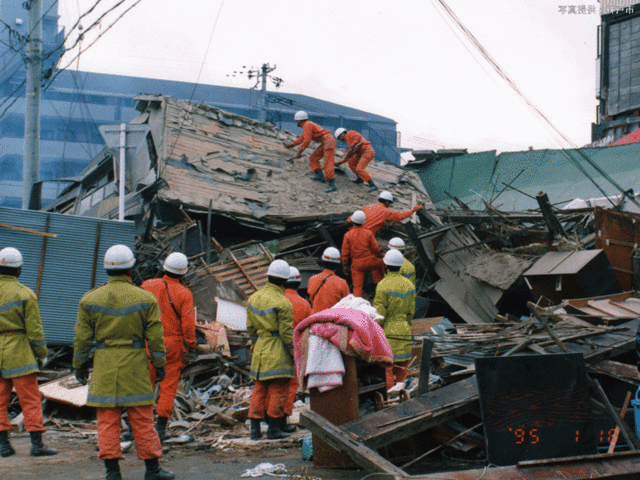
{"x": 60, "y": 391}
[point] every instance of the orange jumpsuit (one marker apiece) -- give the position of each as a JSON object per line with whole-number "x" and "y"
{"x": 326, "y": 293}
{"x": 361, "y": 249}
{"x": 301, "y": 310}
{"x": 179, "y": 335}
{"x": 378, "y": 213}
{"x": 327, "y": 148}
{"x": 359, "y": 157}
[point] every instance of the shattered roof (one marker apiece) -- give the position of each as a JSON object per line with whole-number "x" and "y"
{"x": 240, "y": 165}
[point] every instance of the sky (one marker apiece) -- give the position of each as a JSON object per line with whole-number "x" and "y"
{"x": 403, "y": 59}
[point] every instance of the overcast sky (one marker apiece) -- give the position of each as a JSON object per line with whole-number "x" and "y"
{"x": 396, "y": 58}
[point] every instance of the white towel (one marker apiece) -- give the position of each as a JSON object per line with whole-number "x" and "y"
{"x": 325, "y": 367}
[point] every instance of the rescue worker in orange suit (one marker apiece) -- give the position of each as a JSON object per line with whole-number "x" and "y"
{"x": 326, "y": 288}
{"x": 270, "y": 327}
{"x": 23, "y": 352}
{"x": 395, "y": 300}
{"x": 361, "y": 251}
{"x": 378, "y": 213}
{"x": 119, "y": 317}
{"x": 327, "y": 149}
{"x": 178, "y": 319}
{"x": 301, "y": 310}
{"x": 359, "y": 155}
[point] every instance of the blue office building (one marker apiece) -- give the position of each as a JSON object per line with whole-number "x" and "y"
{"x": 76, "y": 103}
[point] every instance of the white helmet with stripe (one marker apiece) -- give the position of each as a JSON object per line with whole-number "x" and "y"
{"x": 176, "y": 263}
{"x": 279, "y": 269}
{"x": 119, "y": 257}
{"x": 10, "y": 257}
{"x": 331, "y": 255}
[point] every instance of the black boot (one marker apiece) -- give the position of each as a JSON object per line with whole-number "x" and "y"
{"x": 285, "y": 427}
{"x": 256, "y": 434}
{"x": 154, "y": 472}
{"x": 39, "y": 449}
{"x": 372, "y": 186}
{"x": 161, "y": 428}
{"x": 332, "y": 186}
{"x": 319, "y": 177}
{"x": 113, "y": 469}
{"x": 358, "y": 181}
{"x": 274, "y": 432}
{"x": 6, "y": 450}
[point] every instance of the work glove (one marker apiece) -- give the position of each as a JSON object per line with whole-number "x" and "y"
{"x": 189, "y": 357}
{"x": 160, "y": 373}
{"x": 82, "y": 375}
{"x": 42, "y": 362}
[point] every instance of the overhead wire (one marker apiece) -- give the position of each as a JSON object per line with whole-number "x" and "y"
{"x": 195, "y": 86}
{"x": 486, "y": 55}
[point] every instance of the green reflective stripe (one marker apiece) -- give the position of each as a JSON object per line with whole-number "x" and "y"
{"x": 400, "y": 358}
{"x": 41, "y": 343}
{"x": 10, "y": 305}
{"x": 261, "y": 313}
{"x": 14, "y": 371}
{"x": 409, "y": 275}
{"x": 401, "y": 295}
{"x": 272, "y": 373}
{"x": 118, "y": 312}
{"x": 141, "y": 397}
{"x": 158, "y": 354}
{"x": 80, "y": 356}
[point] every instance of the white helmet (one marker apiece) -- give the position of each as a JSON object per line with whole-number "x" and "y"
{"x": 10, "y": 257}
{"x": 279, "y": 269}
{"x": 358, "y": 217}
{"x": 301, "y": 115}
{"x": 393, "y": 258}
{"x": 176, "y": 263}
{"x": 397, "y": 243}
{"x": 294, "y": 275}
{"x": 384, "y": 195}
{"x": 119, "y": 257}
{"x": 340, "y": 131}
{"x": 331, "y": 255}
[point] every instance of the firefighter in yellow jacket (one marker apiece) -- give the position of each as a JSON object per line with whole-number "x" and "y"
{"x": 395, "y": 300}
{"x": 120, "y": 317}
{"x": 407, "y": 270}
{"x": 270, "y": 325}
{"x": 22, "y": 353}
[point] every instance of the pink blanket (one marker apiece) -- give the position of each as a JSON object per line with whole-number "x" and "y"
{"x": 352, "y": 331}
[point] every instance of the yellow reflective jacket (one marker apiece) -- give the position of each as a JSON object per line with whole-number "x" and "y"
{"x": 408, "y": 271}
{"x": 270, "y": 325}
{"x": 395, "y": 300}
{"x": 21, "y": 333}
{"x": 120, "y": 317}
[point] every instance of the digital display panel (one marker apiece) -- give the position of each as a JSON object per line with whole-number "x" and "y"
{"x": 535, "y": 407}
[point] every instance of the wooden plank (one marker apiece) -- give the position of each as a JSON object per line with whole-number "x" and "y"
{"x": 616, "y": 433}
{"x": 43, "y": 252}
{"x": 341, "y": 441}
{"x": 28, "y": 230}
{"x": 628, "y": 436}
{"x": 416, "y": 415}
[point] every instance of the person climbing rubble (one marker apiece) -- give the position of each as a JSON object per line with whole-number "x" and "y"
{"x": 359, "y": 155}
{"x": 327, "y": 149}
{"x": 326, "y": 288}
{"x": 179, "y": 323}
{"x": 23, "y": 352}
{"x": 379, "y": 213}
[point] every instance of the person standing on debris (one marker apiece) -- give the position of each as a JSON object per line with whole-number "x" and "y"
{"x": 395, "y": 300}
{"x": 23, "y": 353}
{"x": 270, "y": 326}
{"x": 407, "y": 270}
{"x": 359, "y": 155}
{"x": 326, "y": 288}
{"x": 361, "y": 252}
{"x": 119, "y": 317}
{"x": 378, "y": 213}
{"x": 179, "y": 322}
{"x": 301, "y": 310}
{"x": 327, "y": 149}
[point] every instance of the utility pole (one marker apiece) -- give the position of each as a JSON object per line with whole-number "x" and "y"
{"x": 31, "y": 150}
{"x": 264, "y": 102}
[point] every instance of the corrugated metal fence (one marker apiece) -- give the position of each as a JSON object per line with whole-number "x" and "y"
{"x": 61, "y": 269}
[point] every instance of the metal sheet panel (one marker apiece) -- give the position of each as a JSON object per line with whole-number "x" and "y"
{"x": 67, "y": 263}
